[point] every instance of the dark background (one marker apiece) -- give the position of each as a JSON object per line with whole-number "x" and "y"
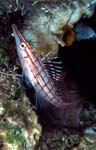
{"x": 80, "y": 61}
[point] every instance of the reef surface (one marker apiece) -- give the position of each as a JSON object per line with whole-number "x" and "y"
{"x": 43, "y": 24}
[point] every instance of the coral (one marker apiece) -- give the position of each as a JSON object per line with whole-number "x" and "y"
{"x": 44, "y": 21}
{"x": 45, "y": 24}
{"x": 19, "y": 127}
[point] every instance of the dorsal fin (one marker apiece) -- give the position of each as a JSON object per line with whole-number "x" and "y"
{"x": 54, "y": 68}
{"x": 63, "y": 84}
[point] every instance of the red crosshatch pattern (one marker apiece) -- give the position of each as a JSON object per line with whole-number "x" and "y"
{"x": 46, "y": 87}
{"x": 42, "y": 79}
{"x": 36, "y": 71}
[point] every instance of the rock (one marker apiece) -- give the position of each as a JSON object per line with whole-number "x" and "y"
{"x": 19, "y": 127}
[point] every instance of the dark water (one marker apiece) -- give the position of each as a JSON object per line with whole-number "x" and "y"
{"x": 80, "y": 61}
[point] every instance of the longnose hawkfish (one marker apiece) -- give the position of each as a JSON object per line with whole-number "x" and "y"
{"x": 36, "y": 73}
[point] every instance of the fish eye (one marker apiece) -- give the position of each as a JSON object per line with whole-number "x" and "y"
{"x": 22, "y": 45}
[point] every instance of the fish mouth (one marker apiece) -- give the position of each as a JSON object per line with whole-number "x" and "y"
{"x": 18, "y": 37}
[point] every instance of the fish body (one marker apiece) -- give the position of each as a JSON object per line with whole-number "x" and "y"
{"x": 35, "y": 72}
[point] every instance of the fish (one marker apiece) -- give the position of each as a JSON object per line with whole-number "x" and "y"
{"x": 36, "y": 74}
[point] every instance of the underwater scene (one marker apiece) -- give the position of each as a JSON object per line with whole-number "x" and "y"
{"x": 47, "y": 75}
